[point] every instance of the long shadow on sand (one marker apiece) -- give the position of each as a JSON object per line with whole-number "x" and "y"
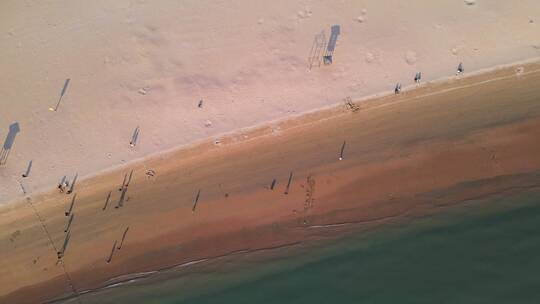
{"x": 8, "y": 142}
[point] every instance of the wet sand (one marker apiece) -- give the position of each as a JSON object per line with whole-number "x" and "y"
{"x": 405, "y": 155}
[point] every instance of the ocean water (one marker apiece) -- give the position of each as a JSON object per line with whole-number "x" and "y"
{"x": 485, "y": 251}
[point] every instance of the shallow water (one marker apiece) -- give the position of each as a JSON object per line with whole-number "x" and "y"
{"x": 481, "y": 252}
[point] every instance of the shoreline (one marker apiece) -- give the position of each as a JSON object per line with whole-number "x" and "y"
{"x": 361, "y": 227}
{"x": 268, "y": 254}
{"x": 389, "y": 160}
{"x": 268, "y": 128}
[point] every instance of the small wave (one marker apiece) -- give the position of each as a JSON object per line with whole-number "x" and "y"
{"x": 125, "y": 277}
{"x": 120, "y": 283}
{"x": 330, "y": 225}
{"x": 183, "y": 265}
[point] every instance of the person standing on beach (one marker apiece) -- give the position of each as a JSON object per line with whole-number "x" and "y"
{"x": 63, "y": 184}
{"x": 417, "y": 77}
{"x": 460, "y": 68}
{"x": 134, "y": 137}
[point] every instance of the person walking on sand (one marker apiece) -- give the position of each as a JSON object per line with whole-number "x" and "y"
{"x": 397, "y": 89}
{"x": 64, "y": 183}
{"x": 417, "y": 77}
{"x": 460, "y": 69}
{"x": 134, "y": 137}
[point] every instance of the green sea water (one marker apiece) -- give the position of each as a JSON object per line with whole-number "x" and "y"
{"x": 485, "y": 251}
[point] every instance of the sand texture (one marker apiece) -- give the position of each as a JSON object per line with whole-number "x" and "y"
{"x": 405, "y": 155}
{"x": 147, "y": 64}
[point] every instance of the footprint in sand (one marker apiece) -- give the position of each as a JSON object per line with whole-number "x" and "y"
{"x": 305, "y": 13}
{"x": 410, "y": 57}
{"x": 370, "y": 57}
{"x": 362, "y": 17}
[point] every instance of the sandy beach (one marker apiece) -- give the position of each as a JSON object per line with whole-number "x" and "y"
{"x": 147, "y": 64}
{"x": 197, "y": 129}
{"x": 405, "y": 155}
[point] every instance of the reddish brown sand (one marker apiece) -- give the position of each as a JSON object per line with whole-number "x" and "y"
{"x": 405, "y": 155}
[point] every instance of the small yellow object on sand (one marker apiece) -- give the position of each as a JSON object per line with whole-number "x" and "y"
{"x": 51, "y": 109}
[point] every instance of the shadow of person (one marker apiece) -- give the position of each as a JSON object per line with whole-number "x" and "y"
{"x": 8, "y": 142}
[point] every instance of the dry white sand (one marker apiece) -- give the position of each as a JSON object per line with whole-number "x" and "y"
{"x": 148, "y": 63}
